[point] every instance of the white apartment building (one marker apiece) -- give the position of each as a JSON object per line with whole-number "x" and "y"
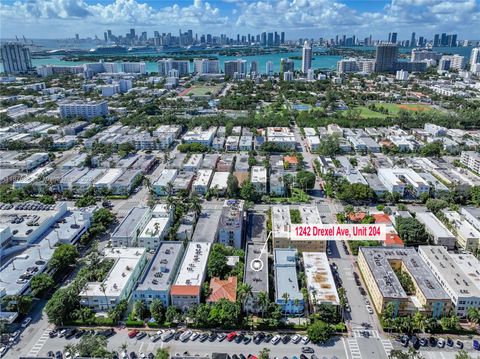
{"x": 119, "y": 282}
{"x": 440, "y": 234}
{"x": 164, "y": 182}
{"x": 282, "y": 136}
{"x": 231, "y": 225}
{"x": 127, "y": 232}
{"x": 471, "y": 160}
{"x": 206, "y": 66}
{"x": 187, "y": 288}
{"x": 397, "y": 179}
{"x": 86, "y": 110}
{"x": 259, "y": 179}
{"x": 157, "y": 227}
{"x": 202, "y": 181}
{"x": 459, "y": 287}
{"x": 198, "y": 135}
{"x": 166, "y": 65}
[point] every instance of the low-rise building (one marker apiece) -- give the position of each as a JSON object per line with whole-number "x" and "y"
{"x": 463, "y": 293}
{"x": 380, "y": 268}
{"x": 320, "y": 282}
{"x": 287, "y": 291}
{"x": 440, "y": 234}
{"x": 159, "y": 274}
{"x": 256, "y": 275}
{"x": 124, "y": 184}
{"x": 202, "y": 181}
{"x": 164, "y": 183}
{"x": 231, "y": 225}
{"x": 219, "y": 182}
{"x": 259, "y": 179}
{"x": 193, "y": 163}
{"x": 467, "y": 235}
{"x": 399, "y": 179}
{"x": 156, "y": 228}
{"x": 119, "y": 281}
{"x": 127, "y": 232}
{"x": 471, "y": 160}
{"x": 222, "y": 289}
{"x": 187, "y": 288}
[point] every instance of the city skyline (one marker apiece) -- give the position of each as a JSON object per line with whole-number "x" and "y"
{"x": 299, "y": 19}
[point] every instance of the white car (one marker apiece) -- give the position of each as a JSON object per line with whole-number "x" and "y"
{"x": 194, "y": 336}
{"x": 26, "y": 322}
{"x": 184, "y": 337}
{"x": 305, "y": 340}
{"x": 369, "y": 309}
{"x": 142, "y": 355}
{"x": 276, "y": 339}
{"x": 296, "y": 338}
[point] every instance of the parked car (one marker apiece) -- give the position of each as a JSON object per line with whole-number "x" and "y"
{"x": 26, "y": 322}
{"x": 212, "y": 337}
{"x": 268, "y": 337}
{"x": 141, "y": 335}
{"x": 53, "y": 333}
{"x": 432, "y": 341}
{"x": 221, "y": 337}
{"x": 459, "y": 344}
{"x": 423, "y": 342}
{"x": 307, "y": 350}
{"x": 168, "y": 335}
{"x": 286, "y": 339}
{"x": 231, "y": 336}
{"x": 257, "y": 339}
{"x": 203, "y": 337}
{"x": 194, "y": 336}
{"x": 476, "y": 344}
{"x": 369, "y": 309}
{"x": 441, "y": 343}
{"x": 239, "y": 338}
{"x": 405, "y": 340}
{"x": 133, "y": 333}
{"x": 247, "y": 340}
{"x": 450, "y": 342}
{"x": 305, "y": 340}
{"x": 177, "y": 335}
{"x": 186, "y": 335}
{"x": 276, "y": 339}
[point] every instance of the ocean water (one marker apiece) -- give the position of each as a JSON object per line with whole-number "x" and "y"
{"x": 322, "y": 62}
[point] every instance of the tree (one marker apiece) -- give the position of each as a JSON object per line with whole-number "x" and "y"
{"x": 411, "y": 231}
{"x": 94, "y": 346}
{"x": 64, "y": 256}
{"x": 17, "y": 303}
{"x": 475, "y": 194}
{"x": 462, "y": 354}
{"x": 232, "y": 186}
{"x": 263, "y": 301}
{"x": 306, "y": 179}
{"x": 433, "y": 149}
{"x": 264, "y": 354}
{"x": 329, "y": 146}
{"x": 140, "y": 309}
{"x": 103, "y": 217}
{"x": 217, "y": 262}
{"x": 62, "y": 305}
{"x": 172, "y": 314}
{"x": 157, "y": 310}
{"x": 319, "y": 331}
{"x": 162, "y": 354}
{"x": 248, "y": 193}
{"x": 411, "y": 353}
{"x": 41, "y": 284}
{"x": 116, "y": 313}
{"x": 436, "y": 205}
{"x": 244, "y": 291}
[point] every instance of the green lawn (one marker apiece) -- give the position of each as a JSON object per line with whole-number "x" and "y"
{"x": 204, "y": 90}
{"x": 394, "y": 108}
{"x": 298, "y": 196}
{"x": 367, "y": 113}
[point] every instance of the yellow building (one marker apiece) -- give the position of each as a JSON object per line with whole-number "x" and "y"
{"x": 380, "y": 268}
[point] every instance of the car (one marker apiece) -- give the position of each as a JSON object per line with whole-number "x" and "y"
{"x": 231, "y": 336}
{"x": 450, "y": 342}
{"x": 58, "y": 354}
{"x": 313, "y": 356}
{"x": 178, "y": 334}
{"x": 242, "y": 356}
{"x": 107, "y": 333}
{"x": 151, "y": 356}
{"x": 142, "y": 355}
{"x": 441, "y": 343}
{"x": 366, "y": 333}
{"x": 221, "y": 337}
{"x": 194, "y": 336}
{"x": 423, "y": 342}
{"x": 14, "y": 336}
{"x": 133, "y": 355}
{"x": 141, "y": 335}
{"x": 276, "y": 339}
{"x": 114, "y": 355}
{"x": 347, "y": 308}
{"x": 212, "y": 337}
{"x": 308, "y": 350}
{"x": 239, "y": 338}
{"x": 296, "y": 339}
{"x": 133, "y": 333}
{"x": 267, "y": 338}
{"x": 286, "y": 339}
{"x": 235, "y": 356}
{"x": 305, "y": 340}
{"x": 203, "y": 337}
{"x": 186, "y": 335}
{"x": 459, "y": 344}
{"x": 53, "y": 333}
{"x": 415, "y": 342}
{"x": 168, "y": 335}
{"x": 51, "y": 354}
{"x": 79, "y": 333}
{"x": 369, "y": 309}
{"x": 3, "y": 351}
{"x": 247, "y": 339}
{"x": 476, "y": 344}
{"x": 405, "y": 340}
{"x": 70, "y": 333}
{"x": 362, "y": 291}
{"x": 257, "y": 339}
{"x": 334, "y": 266}
{"x": 432, "y": 341}
{"x": 26, "y": 322}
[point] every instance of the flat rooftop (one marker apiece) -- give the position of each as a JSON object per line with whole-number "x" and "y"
{"x": 470, "y": 265}
{"x": 320, "y": 280}
{"x": 207, "y": 225}
{"x": 281, "y": 221}
{"x": 194, "y": 263}
{"x": 128, "y": 225}
{"x": 126, "y": 260}
{"x": 378, "y": 259}
{"x": 160, "y": 274}
{"x": 433, "y": 224}
{"x": 256, "y": 267}
{"x": 232, "y": 214}
{"x": 449, "y": 270}
{"x": 286, "y": 278}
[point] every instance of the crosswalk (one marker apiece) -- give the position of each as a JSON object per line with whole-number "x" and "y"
{"x": 39, "y": 344}
{"x": 360, "y": 333}
{"x": 354, "y": 348}
{"x": 387, "y": 346}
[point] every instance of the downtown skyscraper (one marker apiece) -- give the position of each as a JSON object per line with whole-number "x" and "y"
{"x": 306, "y": 57}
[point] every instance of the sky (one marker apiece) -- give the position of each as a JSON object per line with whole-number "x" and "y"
{"x": 59, "y": 19}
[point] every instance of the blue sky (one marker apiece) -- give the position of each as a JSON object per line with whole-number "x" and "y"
{"x": 298, "y": 18}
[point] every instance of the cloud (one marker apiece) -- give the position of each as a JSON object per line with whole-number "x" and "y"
{"x": 312, "y": 18}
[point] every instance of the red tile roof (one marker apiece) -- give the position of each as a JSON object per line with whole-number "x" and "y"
{"x": 356, "y": 217}
{"x": 382, "y": 218}
{"x": 185, "y": 290}
{"x": 292, "y": 160}
{"x": 223, "y": 289}
{"x": 393, "y": 240}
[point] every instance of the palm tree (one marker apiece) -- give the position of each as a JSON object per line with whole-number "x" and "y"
{"x": 103, "y": 288}
{"x": 286, "y": 297}
{"x": 296, "y": 303}
{"x": 473, "y": 315}
{"x": 195, "y": 203}
{"x": 264, "y": 301}
{"x": 123, "y": 347}
{"x": 244, "y": 292}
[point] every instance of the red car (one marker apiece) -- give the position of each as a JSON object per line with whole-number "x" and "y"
{"x": 231, "y": 336}
{"x": 133, "y": 333}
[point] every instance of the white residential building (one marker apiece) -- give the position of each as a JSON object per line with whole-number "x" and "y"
{"x": 86, "y": 110}
{"x": 259, "y": 179}
{"x": 397, "y": 180}
{"x": 231, "y": 225}
{"x": 202, "y": 181}
{"x": 440, "y": 234}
